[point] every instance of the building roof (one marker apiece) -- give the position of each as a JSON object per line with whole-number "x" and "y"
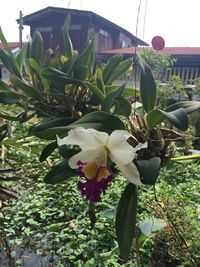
{"x": 48, "y": 12}
{"x": 166, "y": 50}
{"x": 12, "y": 45}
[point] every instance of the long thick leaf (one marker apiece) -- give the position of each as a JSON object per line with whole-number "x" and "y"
{"x": 108, "y": 101}
{"x": 59, "y": 76}
{"x": 46, "y": 152}
{"x": 148, "y": 91}
{"x": 126, "y": 220}
{"x": 177, "y": 118}
{"x": 10, "y": 118}
{"x": 110, "y": 66}
{"x": 185, "y": 158}
{"x": 98, "y": 120}
{"x": 125, "y": 107}
{"x": 27, "y": 89}
{"x": 34, "y": 64}
{"x": 189, "y": 106}
{"x": 68, "y": 48}
{"x": 87, "y": 57}
{"x": 9, "y": 62}
{"x": 59, "y": 173}
{"x": 120, "y": 69}
{"x": 39, "y": 129}
{"x": 81, "y": 72}
{"x": 4, "y": 42}
{"x": 149, "y": 170}
{"x": 9, "y": 98}
{"x": 99, "y": 80}
{"x": 37, "y": 46}
{"x": 128, "y": 91}
{"x": 4, "y": 86}
{"x": 21, "y": 57}
{"x": 95, "y": 90}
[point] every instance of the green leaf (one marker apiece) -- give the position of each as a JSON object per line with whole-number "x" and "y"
{"x": 95, "y": 90}
{"x": 125, "y": 107}
{"x": 21, "y": 56}
{"x": 46, "y": 152}
{"x": 108, "y": 101}
{"x": 37, "y": 46}
{"x": 151, "y": 225}
{"x": 185, "y": 158}
{"x": 189, "y": 106}
{"x": 68, "y": 151}
{"x": 177, "y": 118}
{"x": 27, "y": 89}
{"x": 59, "y": 173}
{"x": 9, "y": 62}
{"x": 149, "y": 170}
{"x": 8, "y": 117}
{"x": 3, "y": 131}
{"x": 126, "y": 220}
{"x": 128, "y": 91}
{"x": 34, "y": 64}
{"x": 81, "y": 72}
{"x": 39, "y": 129}
{"x": 110, "y": 67}
{"x": 98, "y": 120}
{"x": 99, "y": 80}
{"x": 68, "y": 48}
{"x": 119, "y": 70}
{"x": 4, "y": 86}
{"x": 87, "y": 58}
{"x": 69, "y": 65}
{"x": 9, "y": 98}
{"x": 4, "y": 42}
{"x": 148, "y": 91}
{"x": 58, "y": 76}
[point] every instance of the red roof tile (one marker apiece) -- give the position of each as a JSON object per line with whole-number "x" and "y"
{"x": 12, "y": 45}
{"x": 166, "y": 50}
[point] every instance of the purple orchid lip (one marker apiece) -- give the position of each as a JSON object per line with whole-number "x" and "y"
{"x": 92, "y": 188}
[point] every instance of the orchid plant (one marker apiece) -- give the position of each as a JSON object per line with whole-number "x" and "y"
{"x": 117, "y": 139}
{"x": 107, "y": 135}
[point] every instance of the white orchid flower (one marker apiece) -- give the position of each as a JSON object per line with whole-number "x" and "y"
{"x": 97, "y": 146}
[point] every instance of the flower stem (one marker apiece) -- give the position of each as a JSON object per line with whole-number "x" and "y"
{"x": 91, "y": 213}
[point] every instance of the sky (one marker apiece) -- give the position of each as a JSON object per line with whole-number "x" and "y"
{"x": 177, "y": 21}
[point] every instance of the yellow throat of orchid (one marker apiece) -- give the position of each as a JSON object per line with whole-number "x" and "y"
{"x": 93, "y": 171}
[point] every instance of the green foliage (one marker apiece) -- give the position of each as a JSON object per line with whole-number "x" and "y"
{"x": 62, "y": 92}
{"x": 158, "y": 62}
{"x": 148, "y": 92}
{"x": 126, "y": 220}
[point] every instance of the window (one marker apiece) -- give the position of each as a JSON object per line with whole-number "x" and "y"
{"x": 104, "y": 33}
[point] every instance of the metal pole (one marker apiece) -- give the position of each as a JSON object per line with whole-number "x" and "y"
{"x": 20, "y": 28}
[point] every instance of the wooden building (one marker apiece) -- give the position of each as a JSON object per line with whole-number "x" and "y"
{"x": 107, "y": 35}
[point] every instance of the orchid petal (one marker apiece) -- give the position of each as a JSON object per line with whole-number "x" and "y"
{"x": 120, "y": 151}
{"x": 85, "y": 138}
{"x": 141, "y": 145}
{"x": 130, "y": 172}
{"x": 94, "y": 155}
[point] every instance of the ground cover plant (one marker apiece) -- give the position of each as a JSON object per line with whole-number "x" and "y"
{"x": 91, "y": 128}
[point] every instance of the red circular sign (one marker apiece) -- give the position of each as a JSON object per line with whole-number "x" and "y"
{"x": 158, "y": 43}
